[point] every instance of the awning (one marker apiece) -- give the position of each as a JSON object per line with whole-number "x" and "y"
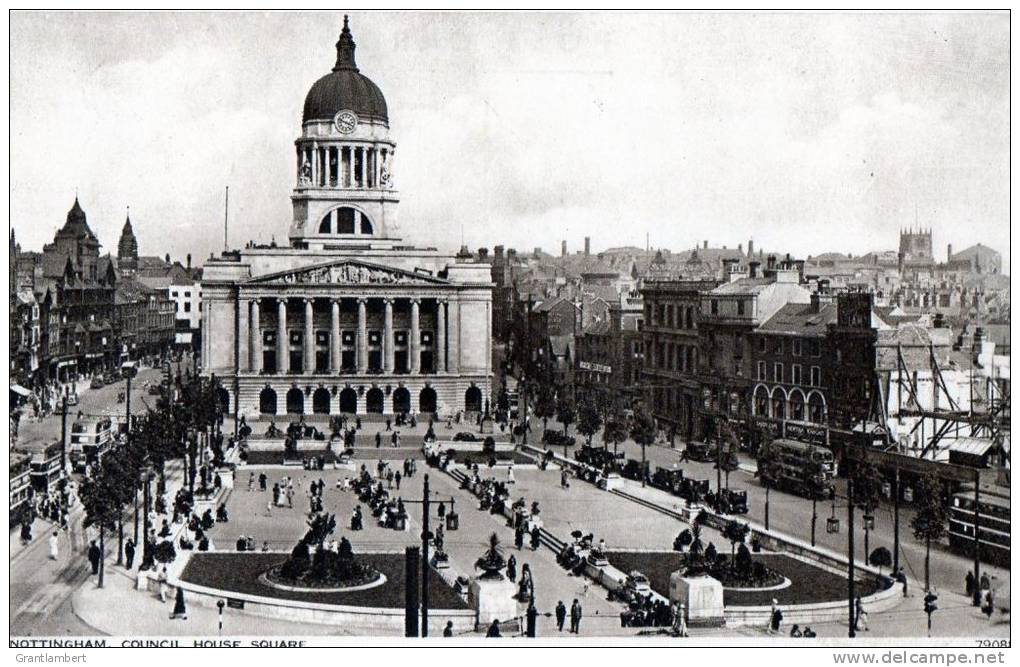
{"x": 20, "y": 391}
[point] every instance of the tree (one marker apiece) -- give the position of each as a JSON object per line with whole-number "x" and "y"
{"x": 164, "y": 552}
{"x": 683, "y": 540}
{"x": 881, "y": 557}
{"x": 769, "y": 470}
{"x": 566, "y": 411}
{"x": 867, "y": 493}
{"x": 929, "y": 523}
{"x": 710, "y": 553}
{"x": 99, "y": 503}
{"x": 643, "y": 433}
{"x": 736, "y": 533}
{"x": 589, "y": 420}
{"x": 545, "y": 405}
{"x": 744, "y": 564}
{"x": 814, "y": 483}
{"x": 615, "y": 432}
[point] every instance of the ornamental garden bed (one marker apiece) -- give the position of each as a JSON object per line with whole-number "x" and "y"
{"x": 809, "y": 584}
{"x": 241, "y": 572}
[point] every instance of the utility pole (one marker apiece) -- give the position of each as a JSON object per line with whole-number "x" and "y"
{"x": 425, "y": 558}
{"x": 851, "y": 597}
{"x": 977, "y": 539}
{"x": 63, "y": 436}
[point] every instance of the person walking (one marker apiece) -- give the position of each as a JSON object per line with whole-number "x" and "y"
{"x": 493, "y": 630}
{"x": 378, "y": 439}
{"x": 531, "y": 619}
{"x": 510, "y": 475}
{"x": 519, "y": 537}
{"x": 511, "y": 569}
{"x": 54, "y": 546}
{"x": 94, "y": 556}
{"x": 129, "y": 553}
{"x": 535, "y": 535}
{"x": 988, "y": 603}
{"x": 575, "y": 617}
{"x": 251, "y": 481}
{"x": 448, "y": 630}
{"x": 179, "y": 612}
{"x": 680, "y": 622}
{"x": 262, "y": 481}
{"x": 396, "y": 478}
{"x": 775, "y": 618}
{"x": 561, "y": 615}
{"x": 861, "y": 620}
{"x": 968, "y": 584}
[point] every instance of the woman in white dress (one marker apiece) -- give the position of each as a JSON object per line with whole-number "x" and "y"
{"x": 54, "y": 546}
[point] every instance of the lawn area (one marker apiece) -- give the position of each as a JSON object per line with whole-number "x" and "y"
{"x": 809, "y": 583}
{"x": 240, "y": 571}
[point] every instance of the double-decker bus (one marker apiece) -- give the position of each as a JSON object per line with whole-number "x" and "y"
{"x": 21, "y": 486}
{"x": 45, "y": 469}
{"x": 993, "y": 523}
{"x": 91, "y": 439}
{"x": 794, "y": 456}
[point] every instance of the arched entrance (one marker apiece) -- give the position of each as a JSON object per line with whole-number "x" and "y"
{"x": 401, "y": 400}
{"x": 374, "y": 400}
{"x": 796, "y": 405}
{"x": 427, "y": 400}
{"x": 224, "y": 399}
{"x": 267, "y": 401}
{"x": 295, "y": 402}
{"x": 349, "y": 401}
{"x": 778, "y": 403}
{"x": 816, "y": 408}
{"x": 320, "y": 401}
{"x": 761, "y": 401}
{"x": 473, "y": 399}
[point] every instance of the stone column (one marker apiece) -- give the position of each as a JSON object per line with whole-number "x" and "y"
{"x": 349, "y": 176}
{"x": 414, "y": 365}
{"x": 334, "y": 338}
{"x": 325, "y": 165}
{"x": 364, "y": 167}
{"x": 315, "y": 164}
{"x": 309, "y": 336}
{"x": 362, "y": 336}
{"x": 388, "y": 336}
{"x": 255, "y": 344}
{"x": 282, "y": 340}
{"x": 453, "y": 333}
{"x": 440, "y": 337}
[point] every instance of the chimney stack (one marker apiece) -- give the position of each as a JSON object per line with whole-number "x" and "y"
{"x": 563, "y": 248}
{"x": 587, "y": 246}
{"x": 706, "y": 245}
{"x": 750, "y": 247}
{"x": 770, "y": 262}
{"x": 949, "y": 253}
{"x": 800, "y": 268}
{"x": 740, "y": 248}
{"x": 189, "y": 261}
{"x": 753, "y": 266}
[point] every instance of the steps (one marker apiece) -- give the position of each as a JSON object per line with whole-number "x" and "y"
{"x": 649, "y": 504}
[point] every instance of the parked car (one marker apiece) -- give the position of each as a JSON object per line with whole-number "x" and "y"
{"x": 72, "y": 399}
{"x": 732, "y": 501}
{"x": 97, "y": 383}
{"x": 155, "y": 389}
{"x": 700, "y": 451}
{"x": 558, "y": 439}
{"x": 637, "y": 584}
{"x": 465, "y": 436}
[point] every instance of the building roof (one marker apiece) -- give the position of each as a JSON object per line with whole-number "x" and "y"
{"x": 560, "y": 345}
{"x": 345, "y": 88}
{"x": 800, "y": 319}
{"x": 747, "y": 286}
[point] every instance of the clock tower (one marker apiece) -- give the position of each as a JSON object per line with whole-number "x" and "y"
{"x": 344, "y": 196}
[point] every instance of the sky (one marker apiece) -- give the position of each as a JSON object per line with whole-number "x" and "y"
{"x": 805, "y": 132}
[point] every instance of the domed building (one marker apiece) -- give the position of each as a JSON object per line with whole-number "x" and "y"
{"x": 348, "y": 318}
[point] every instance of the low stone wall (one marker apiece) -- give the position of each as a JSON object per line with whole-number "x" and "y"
{"x": 348, "y": 619}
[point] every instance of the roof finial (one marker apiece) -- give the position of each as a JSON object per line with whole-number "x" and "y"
{"x": 345, "y": 49}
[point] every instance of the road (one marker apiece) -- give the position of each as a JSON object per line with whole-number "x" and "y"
{"x": 791, "y": 514}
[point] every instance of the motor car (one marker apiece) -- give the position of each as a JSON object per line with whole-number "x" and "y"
{"x": 72, "y": 399}
{"x": 155, "y": 389}
{"x": 637, "y": 584}
{"x": 700, "y": 451}
{"x": 465, "y": 436}
{"x": 732, "y": 501}
{"x": 97, "y": 383}
{"x": 558, "y": 439}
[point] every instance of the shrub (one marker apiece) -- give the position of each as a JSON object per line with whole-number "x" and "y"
{"x": 744, "y": 563}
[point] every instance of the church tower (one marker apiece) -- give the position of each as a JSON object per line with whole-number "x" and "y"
{"x": 127, "y": 247}
{"x": 344, "y": 194}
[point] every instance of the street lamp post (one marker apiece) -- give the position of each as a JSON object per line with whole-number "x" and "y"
{"x": 850, "y": 556}
{"x": 146, "y": 550}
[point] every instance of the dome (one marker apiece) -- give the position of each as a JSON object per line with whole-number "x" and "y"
{"x": 345, "y": 88}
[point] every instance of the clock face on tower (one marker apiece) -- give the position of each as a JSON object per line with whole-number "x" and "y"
{"x": 345, "y": 121}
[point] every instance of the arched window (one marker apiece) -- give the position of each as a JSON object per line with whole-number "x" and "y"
{"x": 320, "y": 401}
{"x": 473, "y": 399}
{"x": 345, "y": 220}
{"x": 401, "y": 400}
{"x": 427, "y": 400}
{"x": 295, "y": 401}
{"x": 796, "y": 406}
{"x": 349, "y": 401}
{"x": 374, "y": 401}
{"x": 267, "y": 401}
{"x": 778, "y": 403}
{"x": 816, "y": 408}
{"x": 761, "y": 401}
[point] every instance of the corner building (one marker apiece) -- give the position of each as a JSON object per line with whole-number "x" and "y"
{"x": 348, "y": 318}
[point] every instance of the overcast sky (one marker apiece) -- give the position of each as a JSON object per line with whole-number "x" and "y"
{"x": 805, "y": 132}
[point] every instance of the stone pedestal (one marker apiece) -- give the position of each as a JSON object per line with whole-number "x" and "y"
{"x": 611, "y": 482}
{"x": 493, "y": 600}
{"x": 487, "y": 425}
{"x": 702, "y": 598}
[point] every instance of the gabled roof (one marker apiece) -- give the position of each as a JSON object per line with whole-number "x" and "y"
{"x": 801, "y": 319}
{"x": 560, "y": 345}
{"x": 347, "y": 272}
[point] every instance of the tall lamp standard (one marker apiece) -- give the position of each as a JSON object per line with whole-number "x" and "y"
{"x": 146, "y": 479}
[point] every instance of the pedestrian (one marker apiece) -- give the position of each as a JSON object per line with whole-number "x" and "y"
{"x": 988, "y": 603}
{"x": 161, "y": 579}
{"x": 493, "y": 630}
{"x": 388, "y": 424}
{"x": 861, "y": 615}
{"x": 511, "y": 569}
{"x": 519, "y": 537}
{"x": 262, "y": 481}
{"x": 179, "y": 612}
{"x": 389, "y": 479}
{"x": 94, "y": 556}
{"x": 680, "y": 622}
{"x": 269, "y": 508}
{"x": 775, "y": 618}
{"x": 448, "y": 630}
{"x": 532, "y": 619}
{"x": 510, "y": 475}
{"x": 535, "y": 537}
{"x": 561, "y": 615}
{"x": 397, "y": 478}
{"x": 969, "y": 584}
{"x": 378, "y": 439}
{"x": 251, "y": 481}
{"x": 54, "y": 546}
{"x": 901, "y": 577}
{"x": 986, "y": 583}
{"x": 129, "y": 553}
{"x": 26, "y": 531}
{"x": 575, "y": 617}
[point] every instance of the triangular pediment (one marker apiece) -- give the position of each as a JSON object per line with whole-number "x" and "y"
{"x": 347, "y": 272}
